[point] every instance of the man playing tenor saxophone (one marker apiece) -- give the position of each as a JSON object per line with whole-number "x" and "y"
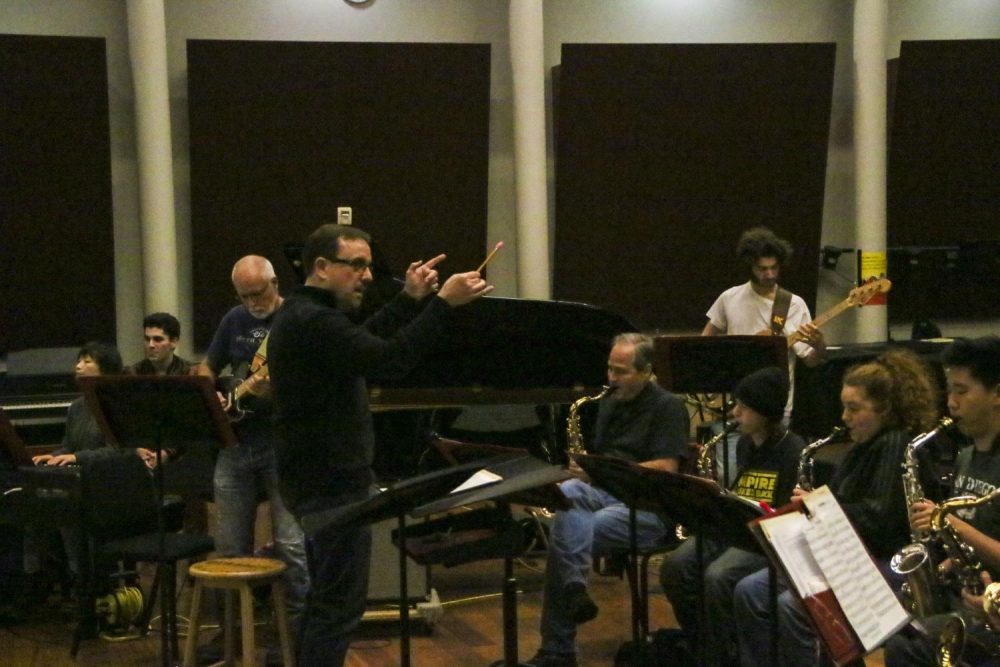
{"x": 641, "y": 422}
{"x": 972, "y": 369}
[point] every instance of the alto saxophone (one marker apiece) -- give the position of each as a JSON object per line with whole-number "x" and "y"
{"x": 805, "y": 475}
{"x": 951, "y": 642}
{"x": 706, "y": 457}
{"x": 922, "y": 589}
{"x": 705, "y": 466}
{"x": 574, "y": 436}
{"x": 967, "y": 565}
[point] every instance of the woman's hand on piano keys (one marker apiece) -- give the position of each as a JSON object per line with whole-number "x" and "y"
{"x": 57, "y": 460}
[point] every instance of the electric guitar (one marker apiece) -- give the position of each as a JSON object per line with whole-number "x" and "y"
{"x": 858, "y": 296}
{"x": 236, "y": 411}
{"x": 258, "y": 372}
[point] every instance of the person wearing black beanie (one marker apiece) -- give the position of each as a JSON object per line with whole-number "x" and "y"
{"x": 767, "y": 456}
{"x": 764, "y": 391}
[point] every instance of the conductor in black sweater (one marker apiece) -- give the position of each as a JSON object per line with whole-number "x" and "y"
{"x": 319, "y": 359}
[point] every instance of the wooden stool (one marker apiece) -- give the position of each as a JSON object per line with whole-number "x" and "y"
{"x": 231, "y": 575}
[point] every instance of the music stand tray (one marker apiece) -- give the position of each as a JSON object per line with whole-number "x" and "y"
{"x": 158, "y": 412}
{"x": 522, "y": 478}
{"x": 395, "y": 501}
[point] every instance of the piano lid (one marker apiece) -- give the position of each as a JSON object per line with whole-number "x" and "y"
{"x": 499, "y": 350}
{"x": 506, "y": 343}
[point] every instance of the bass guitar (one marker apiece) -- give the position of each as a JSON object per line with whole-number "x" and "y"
{"x": 858, "y": 296}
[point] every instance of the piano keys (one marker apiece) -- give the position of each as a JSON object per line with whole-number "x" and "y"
{"x": 36, "y": 405}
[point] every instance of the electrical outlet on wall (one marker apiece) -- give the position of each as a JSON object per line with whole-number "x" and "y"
{"x": 344, "y": 215}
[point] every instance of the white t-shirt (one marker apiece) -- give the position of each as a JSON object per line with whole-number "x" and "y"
{"x": 740, "y": 311}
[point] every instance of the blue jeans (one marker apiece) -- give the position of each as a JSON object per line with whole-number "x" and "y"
{"x": 724, "y": 566}
{"x": 338, "y": 567}
{"x": 242, "y": 474}
{"x": 754, "y": 624}
{"x": 597, "y": 523}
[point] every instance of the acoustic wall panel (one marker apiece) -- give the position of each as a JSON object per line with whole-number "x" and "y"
{"x": 56, "y": 229}
{"x": 666, "y": 152}
{"x": 943, "y": 185}
{"x": 283, "y": 133}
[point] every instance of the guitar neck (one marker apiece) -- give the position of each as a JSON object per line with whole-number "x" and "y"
{"x": 820, "y": 320}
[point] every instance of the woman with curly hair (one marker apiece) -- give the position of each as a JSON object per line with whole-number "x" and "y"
{"x": 885, "y": 403}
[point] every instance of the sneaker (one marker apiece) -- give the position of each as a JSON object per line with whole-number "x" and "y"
{"x": 548, "y": 659}
{"x": 580, "y": 606}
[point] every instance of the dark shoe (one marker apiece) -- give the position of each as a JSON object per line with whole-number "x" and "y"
{"x": 215, "y": 650}
{"x": 578, "y": 603}
{"x": 547, "y": 659}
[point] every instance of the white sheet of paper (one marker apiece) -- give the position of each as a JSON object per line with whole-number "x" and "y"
{"x": 480, "y": 478}
{"x": 786, "y": 533}
{"x": 863, "y": 593}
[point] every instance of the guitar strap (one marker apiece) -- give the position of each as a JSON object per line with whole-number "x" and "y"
{"x": 779, "y": 312}
{"x": 260, "y": 356}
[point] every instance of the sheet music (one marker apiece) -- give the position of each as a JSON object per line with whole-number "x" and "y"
{"x": 480, "y": 478}
{"x": 863, "y": 593}
{"x": 786, "y": 533}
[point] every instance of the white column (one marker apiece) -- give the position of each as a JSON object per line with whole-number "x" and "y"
{"x": 527, "y": 56}
{"x": 147, "y": 37}
{"x": 870, "y": 147}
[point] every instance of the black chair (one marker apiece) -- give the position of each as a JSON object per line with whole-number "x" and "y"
{"x": 620, "y": 563}
{"x": 120, "y": 524}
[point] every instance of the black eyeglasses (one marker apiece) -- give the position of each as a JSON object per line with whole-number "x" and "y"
{"x": 359, "y": 264}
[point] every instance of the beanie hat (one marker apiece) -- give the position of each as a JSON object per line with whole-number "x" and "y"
{"x": 764, "y": 391}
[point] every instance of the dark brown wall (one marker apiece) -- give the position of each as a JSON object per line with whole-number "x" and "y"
{"x": 282, "y": 133}
{"x": 943, "y": 184}
{"x": 667, "y": 152}
{"x": 56, "y": 232}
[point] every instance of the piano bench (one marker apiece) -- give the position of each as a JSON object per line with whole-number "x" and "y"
{"x": 239, "y": 575}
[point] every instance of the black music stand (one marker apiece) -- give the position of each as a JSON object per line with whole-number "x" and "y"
{"x": 523, "y": 478}
{"x": 395, "y": 501}
{"x": 714, "y": 365}
{"x": 158, "y": 413}
{"x": 700, "y": 504}
{"x": 11, "y": 443}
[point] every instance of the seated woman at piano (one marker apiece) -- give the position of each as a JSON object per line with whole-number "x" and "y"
{"x": 83, "y": 439}
{"x": 885, "y": 402}
{"x": 82, "y": 442}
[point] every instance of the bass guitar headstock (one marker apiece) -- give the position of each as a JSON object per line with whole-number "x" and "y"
{"x": 863, "y": 293}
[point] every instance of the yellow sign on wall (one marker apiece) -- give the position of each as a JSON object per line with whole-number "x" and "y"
{"x": 873, "y": 265}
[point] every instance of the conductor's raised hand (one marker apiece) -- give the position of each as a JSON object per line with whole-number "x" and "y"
{"x": 462, "y": 288}
{"x": 422, "y": 278}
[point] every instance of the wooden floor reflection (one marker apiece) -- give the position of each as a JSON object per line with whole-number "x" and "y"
{"x": 468, "y": 632}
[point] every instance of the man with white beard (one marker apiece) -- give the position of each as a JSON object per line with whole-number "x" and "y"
{"x": 247, "y": 471}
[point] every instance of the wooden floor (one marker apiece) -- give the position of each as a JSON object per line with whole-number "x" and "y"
{"x": 468, "y": 632}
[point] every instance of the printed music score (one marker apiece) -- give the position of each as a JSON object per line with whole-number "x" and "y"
{"x": 849, "y": 601}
